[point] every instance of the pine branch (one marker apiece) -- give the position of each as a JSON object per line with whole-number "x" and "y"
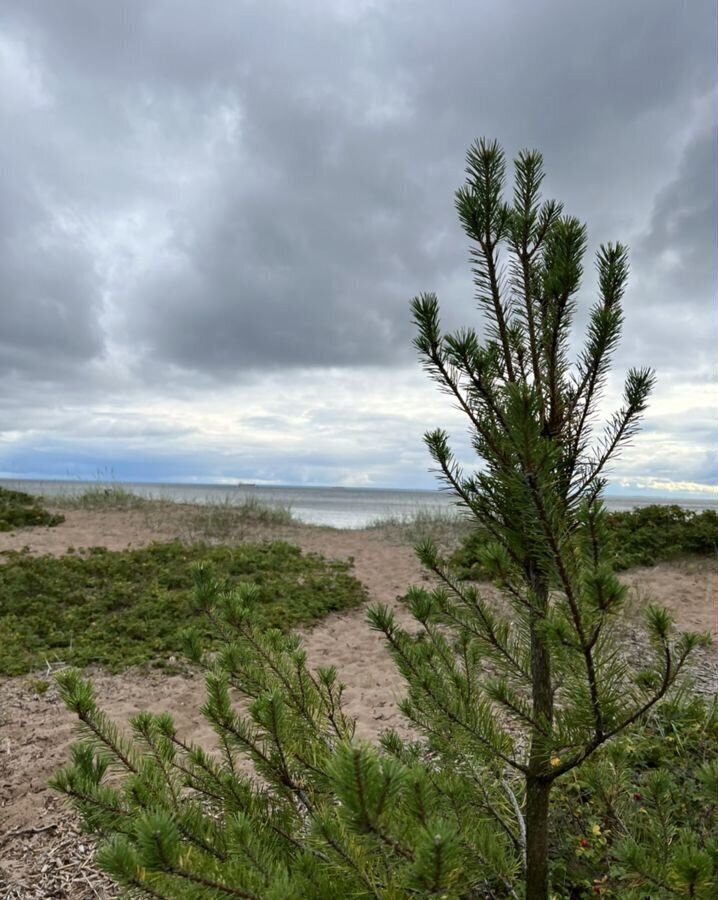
{"x": 378, "y": 620}
{"x": 670, "y": 673}
{"x": 200, "y": 880}
{"x": 489, "y": 634}
{"x": 485, "y": 219}
{"x": 329, "y": 837}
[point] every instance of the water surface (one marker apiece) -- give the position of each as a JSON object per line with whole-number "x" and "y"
{"x": 335, "y": 506}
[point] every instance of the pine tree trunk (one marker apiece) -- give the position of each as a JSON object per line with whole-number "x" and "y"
{"x": 538, "y": 787}
{"x": 537, "y": 805}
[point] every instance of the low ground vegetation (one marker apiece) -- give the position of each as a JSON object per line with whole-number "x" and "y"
{"x": 636, "y": 822}
{"x": 226, "y": 520}
{"x": 20, "y": 510}
{"x": 640, "y": 819}
{"x": 448, "y": 527}
{"x": 99, "y": 497}
{"x": 123, "y": 608}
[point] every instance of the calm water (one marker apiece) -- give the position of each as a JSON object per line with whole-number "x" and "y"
{"x": 338, "y": 507}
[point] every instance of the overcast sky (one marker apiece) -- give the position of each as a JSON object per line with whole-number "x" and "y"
{"x": 213, "y": 216}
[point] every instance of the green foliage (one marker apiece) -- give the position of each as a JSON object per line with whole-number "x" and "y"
{"x": 649, "y": 535}
{"x": 38, "y": 686}
{"x": 344, "y": 819}
{"x": 122, "y": 608}
{"x": 640, "y": 537}
{"x": 641, "y": 817}
{"x": 20, "y": 510}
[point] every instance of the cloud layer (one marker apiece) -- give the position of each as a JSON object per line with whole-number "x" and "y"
{"x": 232, "y": 204}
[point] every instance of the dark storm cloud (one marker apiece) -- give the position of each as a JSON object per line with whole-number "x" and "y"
{"x": 48, "y": 286}
{"x": 677, "y": 265}
{"x": 284, "y": 173}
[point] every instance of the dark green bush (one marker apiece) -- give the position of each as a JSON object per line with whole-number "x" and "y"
{"x": 20, "y": 510}
{"x": 642, "y": 811}
{"x": 641, "y": 537}
{"x": 120, "y": 609}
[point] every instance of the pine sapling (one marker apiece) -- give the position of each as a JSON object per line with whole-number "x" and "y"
{"x": 507, "y": 694}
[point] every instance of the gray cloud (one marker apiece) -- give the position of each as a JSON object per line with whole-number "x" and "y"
{"x": 195, "y": 195}
{"x": 672, "y": 298}
{"x": 325, "y": 147}
{"x": 49, "y": 290}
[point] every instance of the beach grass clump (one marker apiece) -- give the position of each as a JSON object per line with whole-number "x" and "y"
{"x": 448, "y": 526}
{"x": 21, "y": 510}
{"x": 100, "y": 497}
{"x": 229, "y": 520}
{"x": 117, "y": 609}
{"x": 639, "y": 537}
{"x": 418, "y": 518}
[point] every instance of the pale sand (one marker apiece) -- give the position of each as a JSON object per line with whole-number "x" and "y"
{"x": 36, "y": 731}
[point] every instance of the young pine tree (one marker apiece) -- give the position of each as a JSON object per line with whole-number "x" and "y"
{"x": 507, "y": 697}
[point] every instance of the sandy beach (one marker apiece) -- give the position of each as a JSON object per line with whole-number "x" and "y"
{"x": 40, "y": 852}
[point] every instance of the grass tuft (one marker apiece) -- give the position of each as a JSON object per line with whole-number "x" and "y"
{"x": 111, "y": 496}
{"x": 226, "y": 520}
{"x": 447, "y": 527}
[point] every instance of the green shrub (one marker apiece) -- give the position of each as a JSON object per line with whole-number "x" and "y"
{"x": 635, "y": 819}
{"x": 20, "y": 510}
{"x": 641, "y": 537}
{"x": 635, "y": 822}
{"x": 123, "y": 608}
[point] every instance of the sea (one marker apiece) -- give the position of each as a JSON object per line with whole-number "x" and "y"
{"x": 338, "y": 507}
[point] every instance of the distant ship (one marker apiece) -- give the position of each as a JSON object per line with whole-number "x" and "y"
{"x": 246, "y": 484}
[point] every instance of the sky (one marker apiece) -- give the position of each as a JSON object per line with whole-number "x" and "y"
{"x": 213, "y": 217}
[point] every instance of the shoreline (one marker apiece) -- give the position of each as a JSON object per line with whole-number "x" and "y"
{"x": 335, "y": 506}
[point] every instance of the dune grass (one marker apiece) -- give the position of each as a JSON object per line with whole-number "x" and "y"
{"x": 100, "y": 497}
{"x": 227, "y": 520}
{"x": 224, "y": 518}
{"x": 117, "y": 609}
{"x": 447, "y": 526}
